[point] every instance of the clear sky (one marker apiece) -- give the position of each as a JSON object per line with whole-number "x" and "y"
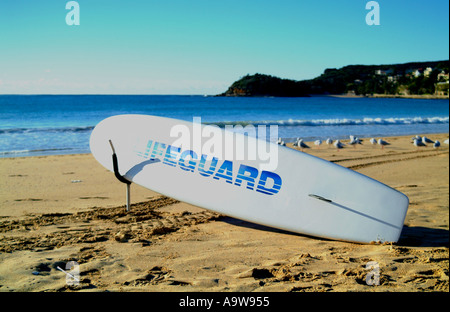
{"x": 202, "y": 46}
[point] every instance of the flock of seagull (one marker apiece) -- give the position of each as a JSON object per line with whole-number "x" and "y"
{"x": 417, "y": 141}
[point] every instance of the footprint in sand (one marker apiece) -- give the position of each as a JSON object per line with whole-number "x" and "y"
{"x": 28, "y": 199}
{"x": 94, "y": 197}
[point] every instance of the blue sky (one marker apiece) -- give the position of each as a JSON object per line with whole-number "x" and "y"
{"x": 202, "y": 46}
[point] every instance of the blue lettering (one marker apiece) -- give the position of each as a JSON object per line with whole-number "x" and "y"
{"x": 212, "y": 167}
{"x": 191, "y": 163}
{"x": 246, "y": 175}
{"x": 171, "y": 159}
{"x": 225, "y": 172}
{"x": 263, "y": 181}
{"x": 146, "y": 151}
{"x": 253, "y": 173}
{"x": 158, "y": 149}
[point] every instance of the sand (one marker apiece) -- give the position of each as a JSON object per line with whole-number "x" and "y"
{"x": 57, "y": 209}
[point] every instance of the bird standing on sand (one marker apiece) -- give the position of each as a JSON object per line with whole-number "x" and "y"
{"x": 338, "y": 144}
{"x": 373, "y": 141}
{"x": 382, "y": 143}
{"x": 418, "y": 143}
{"x": 446, "y": 141}
{"x": 296, "y": 142}
{"x": 436, "y": 144}
{"x": 329, "y": 141}
{"x": 426, "y": 140}
{"x": 354, "y": 140}
{"x": 301, "y": 144}
{"x": 318, "y": 143}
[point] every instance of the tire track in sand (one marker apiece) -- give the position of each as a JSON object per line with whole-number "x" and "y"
{"x": 387, "y": 159}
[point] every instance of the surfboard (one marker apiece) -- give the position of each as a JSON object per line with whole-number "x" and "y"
{"x": 249, "y": 178}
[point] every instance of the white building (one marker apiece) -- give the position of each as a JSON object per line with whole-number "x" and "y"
{"x": 427, "y": 71}
{"x": 442, "y": 76}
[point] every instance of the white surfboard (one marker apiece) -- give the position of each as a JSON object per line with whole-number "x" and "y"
{"x": 300, "y": 193}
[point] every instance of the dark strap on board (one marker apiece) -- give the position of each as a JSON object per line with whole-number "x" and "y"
{"x": 116, "y": 167}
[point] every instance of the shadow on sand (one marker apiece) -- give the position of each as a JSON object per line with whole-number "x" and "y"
{"x": 415, "y": 236}
{"x": 259, "y": 227}
{"x": 418, "y": 236}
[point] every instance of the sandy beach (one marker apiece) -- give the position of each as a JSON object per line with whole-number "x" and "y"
{"x": 57, "y": 209}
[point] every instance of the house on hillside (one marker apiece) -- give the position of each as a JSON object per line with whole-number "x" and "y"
{"x": 427, "y": 71}
{"x": 442, "y": 77}
{"x": 442, "y": 88}
{"x": 416, "y": 73}
{"x": 382, "y": 72}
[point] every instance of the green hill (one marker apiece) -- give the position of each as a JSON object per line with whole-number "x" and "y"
{"x": 407, "y": 78}
{"x": 265, "y": 85}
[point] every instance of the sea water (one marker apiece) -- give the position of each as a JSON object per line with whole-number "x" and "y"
{"x": 32, "y": 125}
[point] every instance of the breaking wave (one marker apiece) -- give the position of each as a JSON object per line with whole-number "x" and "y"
{"x": 46, "y": 130}
{"x": 339, "y": 122}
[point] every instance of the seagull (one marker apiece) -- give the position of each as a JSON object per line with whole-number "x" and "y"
{"x": 426, "y": 140}
{"x": 281, "y": 142}
{"x": 436, "y": 144}
{"x": 296, "y": 142}
{"x": 301, "y": 144}
{"x": 418, "y": 143}
{"x": 446, "y": 141}
{"x": 318, "y": 143}
{"x": 418, "y": 137}
{"x": 329, "y": 141}
{"x": 373, "y": 141}
{"x": 382, "y": 143}
{"x": 338, "y": 144}
{"x": 354, "y": 140}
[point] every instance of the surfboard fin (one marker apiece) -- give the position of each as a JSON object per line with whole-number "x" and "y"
{"x": 119, "y": 176}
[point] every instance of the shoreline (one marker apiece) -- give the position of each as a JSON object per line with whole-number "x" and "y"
{"x": 68, "y": 207}
{"x": 18, "y": 155}
{"x": 392, "y": 96}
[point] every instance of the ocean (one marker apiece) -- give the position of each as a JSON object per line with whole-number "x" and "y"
{"x": 36, "y": 125}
